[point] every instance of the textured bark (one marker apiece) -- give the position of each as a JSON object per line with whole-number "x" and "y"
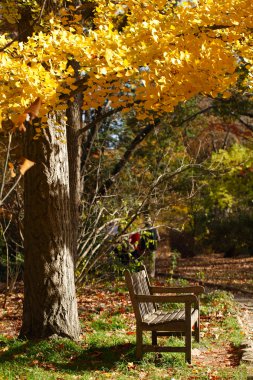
{"x": 74, "y": 158}
{"x": 50, "y": 306}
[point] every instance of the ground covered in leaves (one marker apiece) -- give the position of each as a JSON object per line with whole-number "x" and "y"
{"x": 213, "y": 270}
{"x": 107, "y": 345}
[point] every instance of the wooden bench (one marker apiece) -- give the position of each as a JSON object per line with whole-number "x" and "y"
{"x": 145, "y": 298}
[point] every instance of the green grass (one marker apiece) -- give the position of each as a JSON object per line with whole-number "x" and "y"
{"x": 107, "y": 351}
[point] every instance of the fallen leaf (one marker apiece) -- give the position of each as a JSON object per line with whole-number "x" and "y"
{"x": 130, "y": 365}
{"x": 35, "y": 362}
{"x": 196, "y": 352}
{"x": 4, "y": 349}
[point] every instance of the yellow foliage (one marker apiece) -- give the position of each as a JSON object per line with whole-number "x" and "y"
{"x": 161, "y": 56}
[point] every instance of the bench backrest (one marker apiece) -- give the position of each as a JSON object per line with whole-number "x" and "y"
{"x": 138, "y": 283}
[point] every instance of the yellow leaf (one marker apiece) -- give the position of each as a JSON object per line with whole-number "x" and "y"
{"x": 11, "y": 167}
{"x": 226, "y": 95}
{"x": 108, "y": 55}
{"x": 34, "y": 108}
{"x": 26, "y": 165}
{"x": 103, "y": 71}
{"x": 73, "y": 87}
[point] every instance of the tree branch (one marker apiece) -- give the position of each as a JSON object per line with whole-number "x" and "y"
{"x": 6, "y": 164}
{"x": 137, "y": 140}
{"x": 98, "y": 119}
{"x": 248, "y": 114}
{"x": 42, "y": 10}
{"x": 249, "y": 126}
{"x": 120, "y": 164}
{"x": 192, "y": 117}
{"x": 11, "y": 189}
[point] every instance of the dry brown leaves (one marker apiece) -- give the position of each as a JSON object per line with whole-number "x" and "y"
{"x": 213, "y": 268}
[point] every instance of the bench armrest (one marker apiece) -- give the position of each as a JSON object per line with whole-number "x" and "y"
{"x": 186, "y": 298}
{"x": 182, "y": 289}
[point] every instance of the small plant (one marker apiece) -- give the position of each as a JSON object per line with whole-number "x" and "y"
{"x": 173, "y": 264}
{"x": 201, "y": 275}
{"x": 182, "y": 282}
{"x": 218, "y": 302}
{"x": 174, "y": 259}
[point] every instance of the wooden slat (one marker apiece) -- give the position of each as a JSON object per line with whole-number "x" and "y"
{"x": 180, "y": 316}
{"x": 184, "y": 289}
{"x": 164, "y": 317}
{"x": 160, "y": 317}
{"x": 140, "y": 286}
{"x": 178, "y": 298}
{"x": 195, "y": 316}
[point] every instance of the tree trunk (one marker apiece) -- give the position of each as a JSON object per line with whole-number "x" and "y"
{"x": 50, "y": 306}
{"x": 74, "y": 114}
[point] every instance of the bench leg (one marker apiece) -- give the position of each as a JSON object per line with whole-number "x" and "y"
{"x": 196, "y": 332}
{"x": 154, "y": 338}
{"x": 188, "y": 345}
{"x": 139, "y": 342}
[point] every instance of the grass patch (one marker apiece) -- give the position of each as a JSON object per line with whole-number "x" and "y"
{"x": 108, "y": 323}
{"x": 107, "y": 350}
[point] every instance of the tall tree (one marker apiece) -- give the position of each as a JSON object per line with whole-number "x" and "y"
{"x": 49, "y": 303}
{"x": 105, "y": 56}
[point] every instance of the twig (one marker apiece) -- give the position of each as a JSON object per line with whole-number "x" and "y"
{"x": 98, "y": 120}
{"x": 195, "y": 115}
{"x": 11, "y": 189}
{"x": 6, "y": 164}
{"x": 42, "y": 10}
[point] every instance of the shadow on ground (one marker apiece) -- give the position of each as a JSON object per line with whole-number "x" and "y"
{"x": 92, "y": 358}
{"x": 100, "y": 358}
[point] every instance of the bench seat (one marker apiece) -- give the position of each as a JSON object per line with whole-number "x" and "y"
{"x": 159, "y": 318}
